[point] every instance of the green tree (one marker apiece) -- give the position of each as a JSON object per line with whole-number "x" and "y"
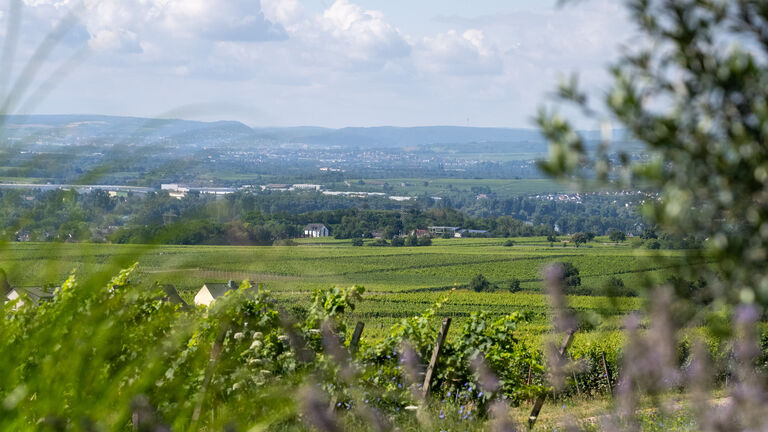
{"x": 479, "y": 283}
{"x": 617, "y": 236}
{"x": 571, "y": 274}
{"x": 514, "y": 285}
{"x": 579, "y": 238}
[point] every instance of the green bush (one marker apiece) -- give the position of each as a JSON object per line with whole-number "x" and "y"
{"x": 479, "y": 284}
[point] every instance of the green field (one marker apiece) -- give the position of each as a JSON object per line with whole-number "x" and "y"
{"x": 400, "y": 282}
{"x": 427, "y": 186}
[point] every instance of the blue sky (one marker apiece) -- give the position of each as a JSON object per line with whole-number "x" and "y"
{"x": 318, "y": 62}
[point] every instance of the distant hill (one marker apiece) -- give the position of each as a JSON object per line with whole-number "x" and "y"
{"x": 389, "y": 136}
{"x": 123, "y": 128}
{"x": 114, "y": 129}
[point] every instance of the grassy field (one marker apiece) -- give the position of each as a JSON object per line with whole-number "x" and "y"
{"x": 421, "y": 186}
{"x": 399, "y": 282}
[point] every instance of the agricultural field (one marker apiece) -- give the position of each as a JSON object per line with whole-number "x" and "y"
{"x": 399, "y": 281}
{"x": 430, "y": 186}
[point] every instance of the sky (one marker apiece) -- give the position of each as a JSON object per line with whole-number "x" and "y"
{"x": 332, "y": 63}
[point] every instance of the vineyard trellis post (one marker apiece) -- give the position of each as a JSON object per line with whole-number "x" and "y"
{"x": 607, "y": 372}
{"x": 540, "y": 399}
{"x": 575, "y": 380}
{"x": 435, "y": 355}
{"x": 355, "y": 341}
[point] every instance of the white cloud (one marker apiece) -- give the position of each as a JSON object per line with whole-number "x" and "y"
{"x": 285, "y": 12}
{"x": 220, "y": 20}
{"x": 454, "y": 53}
{"x": 118, "y": 41}
{"x": 361, "y": 34}
{"x": 339, "y": 64}
{"x": 120, "y": 26}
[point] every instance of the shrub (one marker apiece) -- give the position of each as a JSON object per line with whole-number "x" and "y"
{"x": 425, "y": 241}
{"x": 579, "y": 238}
{"x": 479, "y": 283}
{"x": 617, "y": 236}
{"x": 357, "y": 242}
{"x": 571, "y": 274}
{"x": 514, "y": 285}
{"x": 398, "y": 241}
{"x": 509, "y": 243}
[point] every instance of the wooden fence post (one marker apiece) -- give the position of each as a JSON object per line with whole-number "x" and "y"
{"x": 435, "y": 355}
{"x": 607, "y": 372}
{"x": 353, "y": 344}
{"x": 540, "y": 400}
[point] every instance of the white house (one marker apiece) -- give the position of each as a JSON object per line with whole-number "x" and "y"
{"x": 316, "y": 230}
{"x": 33, "y": 294}
{"x": 211, "y": 291}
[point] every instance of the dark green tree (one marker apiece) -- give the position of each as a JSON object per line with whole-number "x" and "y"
{"x": 479, "y": 283}
{"x": 571, "y": 275}
{"x": 617, "y": 236}
{"x": 514, "y": 285}
{"x": 579, "y": 238}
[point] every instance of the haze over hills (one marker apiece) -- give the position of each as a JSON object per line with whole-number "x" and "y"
{"x": 95, "y": 128}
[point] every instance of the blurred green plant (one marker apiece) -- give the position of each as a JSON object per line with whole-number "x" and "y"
{"x": 694, "y": 91}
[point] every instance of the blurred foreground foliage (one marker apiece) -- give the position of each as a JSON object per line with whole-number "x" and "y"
{"x": 693, "y": 88}
{"x": 106, "y": 356}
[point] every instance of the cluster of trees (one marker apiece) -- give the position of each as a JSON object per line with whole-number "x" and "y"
{"x": 247, "y": 218}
